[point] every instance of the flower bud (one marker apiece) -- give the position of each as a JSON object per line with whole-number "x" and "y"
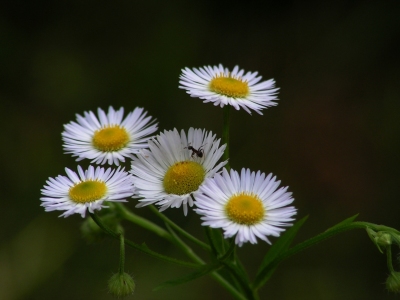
{"x": 383, "y": 239}
{"x": 380, "y": 238}
{"x": 393, "y": 282}
{"x": 121, "y": 285}
{"x": 395, "y": 238}
{"x": 92, "y": 233}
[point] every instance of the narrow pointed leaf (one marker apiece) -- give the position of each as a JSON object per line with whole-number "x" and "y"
{"x": 190, "y": 277}
{"x": 240, "y": 277}
{"x": 178, "y": 228}
{"x": 217, "y": 241}
{"x": 343, "y": 223}
{"x": 229, "y": 254}
{"x": 281, "y": 245}
{"x": 143, "y": 248}
{"x": 146, "y": 250}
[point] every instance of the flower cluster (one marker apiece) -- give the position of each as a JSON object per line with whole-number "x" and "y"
{"x": 175, "y": 168}
{"x": 106, "y": 138}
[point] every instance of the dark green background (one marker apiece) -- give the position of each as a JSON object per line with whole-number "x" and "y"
{"x": 333, "y": 138}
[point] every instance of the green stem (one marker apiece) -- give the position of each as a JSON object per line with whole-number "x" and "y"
{"x": 330, "y": 233}
{"x": 179, "y": 229}
{"x": 221, "y": 280}
{"x": 121, "y": 254}
{"x": 142, "y": 222}
{"x": 320, "y": 238}
{"x": 225, "y": 133}
{"x": 142, "y": 248}
{"x": 125, "y": 213}
{"x": 389, "y": 259}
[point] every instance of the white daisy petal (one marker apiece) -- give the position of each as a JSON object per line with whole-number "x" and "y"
{"x": 223, "y": 87}
{"x": 248, "y": 205}
{"x": 88, "y": 191}
{"x": 175, "y": 166}
{"x": 108, "y": 138}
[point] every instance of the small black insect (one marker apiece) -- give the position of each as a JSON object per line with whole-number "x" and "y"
{"x": 199, "y": 152}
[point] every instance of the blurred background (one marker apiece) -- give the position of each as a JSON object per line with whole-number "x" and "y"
{"x": 334, "y": 138}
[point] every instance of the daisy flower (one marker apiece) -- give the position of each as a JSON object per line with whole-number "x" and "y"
{"x": 248, "y": 206}
{"x": 108, "y": 137}
{"x": 171, "y": 171}
{"x": 223, "y": 87}
{"x": 86, "y": 190}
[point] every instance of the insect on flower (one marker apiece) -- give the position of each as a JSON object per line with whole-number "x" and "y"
{"x": 199, "y": 152}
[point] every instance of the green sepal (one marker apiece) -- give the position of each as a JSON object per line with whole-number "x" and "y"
{"x": 279, "y": 247}
{"x": 204, "y": 270}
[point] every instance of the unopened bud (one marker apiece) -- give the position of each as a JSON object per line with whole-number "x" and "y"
{"x": 383, "y": 239}
{"x": 121, "y": 285}
{"x": 92, "y": 233}
{"x": 393, "y": 282}
{"x": 380, "y": 238}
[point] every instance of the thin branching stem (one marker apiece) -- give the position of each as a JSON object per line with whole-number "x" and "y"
{"x": 225, "y": 133}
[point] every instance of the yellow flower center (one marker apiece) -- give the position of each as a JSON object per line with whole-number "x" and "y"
{"x": 246, "y": 209}
{"x": 183, "y": 177}
{"x": 87, "y": 191}
{"x": 229, "y": 86}
{"x": 110, "y": 138}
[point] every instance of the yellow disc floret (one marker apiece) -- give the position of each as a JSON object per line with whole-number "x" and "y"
{"x": 229, "y": 86}
{"x": 183, "y": 177}
{"x": 245, "y": 209}
{"x": 87, "y": 191}
{"x": 110, "y": 138}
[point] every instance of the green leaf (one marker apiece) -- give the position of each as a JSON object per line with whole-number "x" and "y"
{"x": 281, "y": 245}
{"x": 192, "y": 276}
{"x": 143, "y": 248}
{"x": 343, "y": 223}
{"x": 240, "y": 276}
{"x": 241, "y": 270}
{"x": 229, "y": 254}
{"x": 178, "y": 228}
{"x": 227, "y": 258}
{"x": 217, "y": 242}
